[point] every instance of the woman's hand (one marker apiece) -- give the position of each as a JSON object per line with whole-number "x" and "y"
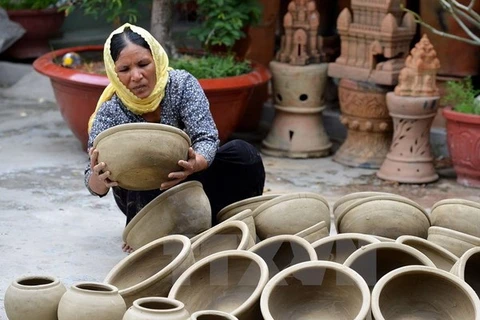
{"x": 99, "y": 181}
{"x": 195, "y": 163}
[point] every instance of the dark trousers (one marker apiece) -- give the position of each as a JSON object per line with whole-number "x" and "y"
{"x": 236, "y": 173}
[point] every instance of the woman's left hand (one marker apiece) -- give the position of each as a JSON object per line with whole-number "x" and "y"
{"x": 196, "y": 162}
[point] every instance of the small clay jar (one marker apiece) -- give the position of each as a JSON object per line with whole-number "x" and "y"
{"x": 91, "y": 300}
{"x": 33, "y": 297}
{"x": 156, "y": 308}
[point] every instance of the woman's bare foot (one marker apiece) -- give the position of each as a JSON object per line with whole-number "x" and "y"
{"x": 126, "y": 248}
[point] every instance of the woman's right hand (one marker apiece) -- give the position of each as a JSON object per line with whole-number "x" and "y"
{"x": 99, "y": 181}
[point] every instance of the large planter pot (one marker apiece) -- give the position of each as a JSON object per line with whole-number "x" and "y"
{"x": 77, "y": 92}
{"x": 40, "y": 26}
{"x": 463, "y": 139}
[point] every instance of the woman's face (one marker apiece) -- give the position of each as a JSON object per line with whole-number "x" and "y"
{"x": 136, "y": 70}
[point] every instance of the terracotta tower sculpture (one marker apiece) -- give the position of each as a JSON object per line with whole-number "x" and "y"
{"x": 413, "y": 105}
{"x": 299, "y": 79}
{"x": 375, "y": 39}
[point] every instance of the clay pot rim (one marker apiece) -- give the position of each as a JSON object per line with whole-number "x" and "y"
{"x": 352, "y": 274}
{"x": 54, "y": 282}
{"x": 225, "y": 315}
{"x": 250, "y": 200}
{"x": 156, "y": 202}
{"x": 345, "y": 236}
{"x": 176, "y": 305}
{"x": 357, "y": 195}
{"x": 182, "y": 256}
{"x": 388, "y": 245}
{"x": 242, "y": 254}
{"x": 312, "y": 229}
{"x": 441, "y": 251}
{"x": 288, "y": 197}
{"x": 452, "y": 115}
{"x": 379, "y": 286}
{"x": 462, "y": 261}
{"x": 101, "y": 285}
{"x": 286, "y": 238}
{"x": 454, "y": 234}
{"x": 464, "y": 202}
{"x": 375, "y": 198}
{"x": 383, "y": 239}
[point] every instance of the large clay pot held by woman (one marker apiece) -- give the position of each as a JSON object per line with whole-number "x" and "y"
{"x": 156, "y": 308}
{"x": 467, "y": 268}
{"x": 33, "y": 297}
{"x": 152, "y": 269}
{"x": 316, "y": 290}
{"x": 91, "y": 300}
{"x": 183, "y": 209}
{"x": 229, "y": 281}
{"x": 457, "y": 214}
{"x": 423, "y": 293}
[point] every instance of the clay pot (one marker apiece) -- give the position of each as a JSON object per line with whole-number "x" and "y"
{"x": 156, "y": 308}
{"x": 183, "y": 209}
{"x": 280, "y": 215}
{"x": 316, "y": 290}
{"x": 423, "y": 293}
{"x": 454, "y": 241}
{"x": 387, "y": 216}
{"x": 383, "y": 239}
{"x": 465, "y": 218}
{"x": 140, "y": 156}
{"x": 339, "y": 247}
{"x": 152, "y": 269}
{"x": 377, "y": 259}
{"x": 466, "y": 268}
{"x": 229, "y": 281}
{"x": 249, "y": 203}
{"x": 315, "y": 232}
{"x": 441, "y": 257}
{"x": 33, "y": 297}
{"x": 91, "y": 300}
{"x": 245, "y": 216}
{"x": 212, "y": 315}
{"x": 231, "y": 235}
{"x": 283, "y": 251}
{"x": 348, "y": 199}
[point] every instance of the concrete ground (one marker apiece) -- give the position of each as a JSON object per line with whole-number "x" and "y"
{"x": 51, "y": 225}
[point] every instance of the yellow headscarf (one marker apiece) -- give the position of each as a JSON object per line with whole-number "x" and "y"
{"x": 131, "y": 101}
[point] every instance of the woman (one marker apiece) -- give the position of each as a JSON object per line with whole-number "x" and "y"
{"x": 144, "y": 89}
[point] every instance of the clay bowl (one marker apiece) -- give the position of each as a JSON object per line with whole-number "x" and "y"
{"x": 375, "y": 260}
{"x": 183, "y": 209}
{"x": 229, "y": 281}
{"x": 315, "y": 232}
{"x": 454, "y": 241}
{"x": 140, "y": 156}
{"x": 249, "y": 203}
{"x": 387, "y": 216}
{"x": 348, "y": 199}
{"x": 231, "y": 235}
{"x": 457, "y": 214}
{"x": 316, "y": 290}
{"x": 245, "y": 216}
{"x": 423, "y": 293}
{"x": 212, "y": 315}
{"x": 152, "y": 269}
{"x": 283, "y": 251}
{"x": 467, "y": 268}
{"x": 281, "y": 214}
{"x": 339, "y": 247}
{"x": 441, "y": 257}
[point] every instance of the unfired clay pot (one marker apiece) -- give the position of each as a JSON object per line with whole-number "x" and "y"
{"x": 156, "y": 308}
{"x": 315, "y": 232}
{"x": 316, "y": 290}
{"x": 245, "y": 216}
{"x": 457, "y": 214}
{"x": 387, "y": 216}
{"x": 423, "y": 293}
{"x": 229, "y": 281}
{"x": 231, "y": 235}
{"x": 91, "y": 300}
{"x": 454, "y": 241}
{"x": 281, "y": 214}
{"x": 348, "y": 199}
{"x": 249, "y": 203}
{"x": 375, "y": 260}
{"x": 152, "y": 269}
{"x": 339, "y": 247}
{"x": 212, "y": 315}
{"x": 283, "y": 251}
{"x": 441, "y": 257}
{"x": 183, "y": 209}
{"x": 140, "y": 156}
{"x": 467, "y": 268}
{"x": 33, "y": 297}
